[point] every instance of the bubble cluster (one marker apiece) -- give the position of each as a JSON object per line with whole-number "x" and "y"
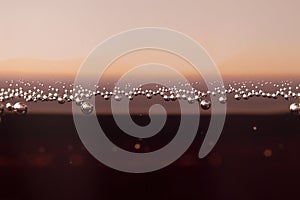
{"x": 223, "y": 100}
{"x": 35, "y": 91}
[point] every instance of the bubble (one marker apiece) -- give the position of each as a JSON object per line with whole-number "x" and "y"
{"x": 295, "y": 108}
{"x": 245, "y": 96}
{"x": 60, "y": 100}
{"x": 287, "y": 97}
{"x": 191, "y": 100}
{"x": 9, "y": 107}
{"x": 237, "y": 96}
{"x": 78, "y": 101}
{"x": 106, "y": 97}
{"x": 87, "y": 108}
{"x": 173, "y": 97}
{"x": 205, "y": 104}
{"x": 183, "y": 97}
{"x": 274, "y": 96}
{"x": 222, "y": 100}
{"x": 148, "y": 95}
{"x": 118, "y": 98}
{"x": 268, "y": 153}
{"x": 137, "y": 146}
{"x": 29, "y": 98}
{"x": 45, "y": 98}
{"x": 166, "y": 98}
{"x": 20, "y": 108}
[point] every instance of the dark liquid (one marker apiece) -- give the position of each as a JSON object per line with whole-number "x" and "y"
{"x": 42, "y": 157}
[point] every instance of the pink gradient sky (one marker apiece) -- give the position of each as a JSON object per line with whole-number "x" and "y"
{"x": 245, "y": 38}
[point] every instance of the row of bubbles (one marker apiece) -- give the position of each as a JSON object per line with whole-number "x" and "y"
{"x": 35, "y": 91}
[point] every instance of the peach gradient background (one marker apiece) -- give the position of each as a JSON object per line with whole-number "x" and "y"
{"x": 245, "y": 38}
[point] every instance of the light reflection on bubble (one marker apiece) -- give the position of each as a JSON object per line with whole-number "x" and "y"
{"x": 20, "y": 108}
{"x": 205, "y": 104}
{"x": 87, "y": 108}
{"x": 295, "y": 108}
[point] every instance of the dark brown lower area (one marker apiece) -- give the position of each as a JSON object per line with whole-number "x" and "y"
{"x": 42, "y": 157}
